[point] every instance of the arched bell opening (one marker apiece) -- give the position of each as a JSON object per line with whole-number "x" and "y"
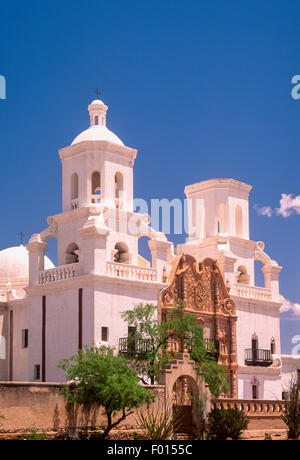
{"x": 121, "y": 253}
{"x": 242, "y": 275}
{"x": 96, "y": 187}
{"x": 72, "y": 254}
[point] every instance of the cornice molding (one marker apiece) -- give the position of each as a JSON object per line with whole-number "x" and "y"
{"x": 88, "y": 280}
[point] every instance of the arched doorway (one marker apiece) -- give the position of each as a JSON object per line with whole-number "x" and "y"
{"x": 186, "y": 393}
{"x": 185, "y": 398}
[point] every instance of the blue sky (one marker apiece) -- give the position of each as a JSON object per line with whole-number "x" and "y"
{"x": 201, "y": 88}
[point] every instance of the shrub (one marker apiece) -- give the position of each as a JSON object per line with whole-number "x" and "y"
{"x": 291, "y": 413}
{"x": 31, "y": 434}
{"x": 226, "y": 423}
{"x": 156, "y": 424}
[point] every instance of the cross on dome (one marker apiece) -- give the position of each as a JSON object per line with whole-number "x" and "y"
{"x": 98, "y": 94}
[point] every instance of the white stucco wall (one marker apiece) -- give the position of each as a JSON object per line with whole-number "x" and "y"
{"x": 268, "y": 381}
{"x": 260, "y": 318}
{"x": 4, "y": 342}
{"x": 290, "y": 370}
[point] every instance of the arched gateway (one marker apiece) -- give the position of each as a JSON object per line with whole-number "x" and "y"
{"x": 185, "y": 392}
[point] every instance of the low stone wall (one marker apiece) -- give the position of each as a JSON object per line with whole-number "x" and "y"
{"x": 40, "y": 405}
{"x": 263, "y": 414}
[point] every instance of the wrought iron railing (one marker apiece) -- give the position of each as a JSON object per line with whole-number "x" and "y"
{"x": 132, "y": 345}
{"x": 258, "y": 357}
{"x": 211, "y": 346}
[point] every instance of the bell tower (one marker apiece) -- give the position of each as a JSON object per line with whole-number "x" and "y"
{"x": 97, "y": 167}
{"x": 218, "y": 207}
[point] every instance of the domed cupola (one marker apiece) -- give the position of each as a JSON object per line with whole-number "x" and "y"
{"x": 14, "y": 263}
{"x": 97, "y": 130}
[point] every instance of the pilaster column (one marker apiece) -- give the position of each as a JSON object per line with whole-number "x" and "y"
{"x": 226, "y": 266}
{"x": 93, "y": 255}
{"x": 36, "y": 248}
{"x": 161, "y": 255}
{"x": 233, "y": 356}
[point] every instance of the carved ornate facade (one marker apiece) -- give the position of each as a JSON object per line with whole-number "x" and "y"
{"x": 201, "y": 287}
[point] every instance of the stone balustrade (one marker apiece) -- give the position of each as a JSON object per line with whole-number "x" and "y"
{"x": 251, "y": 292}
{"x": 59, "y": 273}
{"x": 251, "y": 407}
{"x": 96, "y": 199}
{"x": 131, "y": 272}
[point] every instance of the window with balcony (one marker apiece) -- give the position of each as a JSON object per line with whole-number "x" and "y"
{"x": 255, "y": 356}
{"x": 273, "y": 346}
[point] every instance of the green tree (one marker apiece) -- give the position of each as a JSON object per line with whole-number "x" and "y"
{"x": 101, "y": 379}
{"x": 153, "y": 337}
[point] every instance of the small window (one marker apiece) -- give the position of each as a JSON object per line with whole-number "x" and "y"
{"x": 131, "y": 330}
{"x": 104, "y": 334}
{"x": 131, "y": 339}
{"x": 2, "y": 347}
{"x": 285, "y": 395}
{"x": 25, "y": 338}
{"x": 96, "y": 120}
{"x": 37, "y": 372}
{"x": 254, "y": 391}
{"x": 273, "y": 347}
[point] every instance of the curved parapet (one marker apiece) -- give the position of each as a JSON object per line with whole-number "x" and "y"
{"x": 51, "y": 231}
{"x": 261, "y": 255}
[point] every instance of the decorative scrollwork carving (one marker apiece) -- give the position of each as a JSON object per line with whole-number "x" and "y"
{"x": 199, "y": 285}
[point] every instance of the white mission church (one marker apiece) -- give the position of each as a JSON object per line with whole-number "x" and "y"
{"x": 48, "y": 313}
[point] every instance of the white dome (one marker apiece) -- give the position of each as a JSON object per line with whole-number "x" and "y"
{"x": 97, "y": 133}
{"x": 14, "y": 263}
{"x": 97, "y": 101}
